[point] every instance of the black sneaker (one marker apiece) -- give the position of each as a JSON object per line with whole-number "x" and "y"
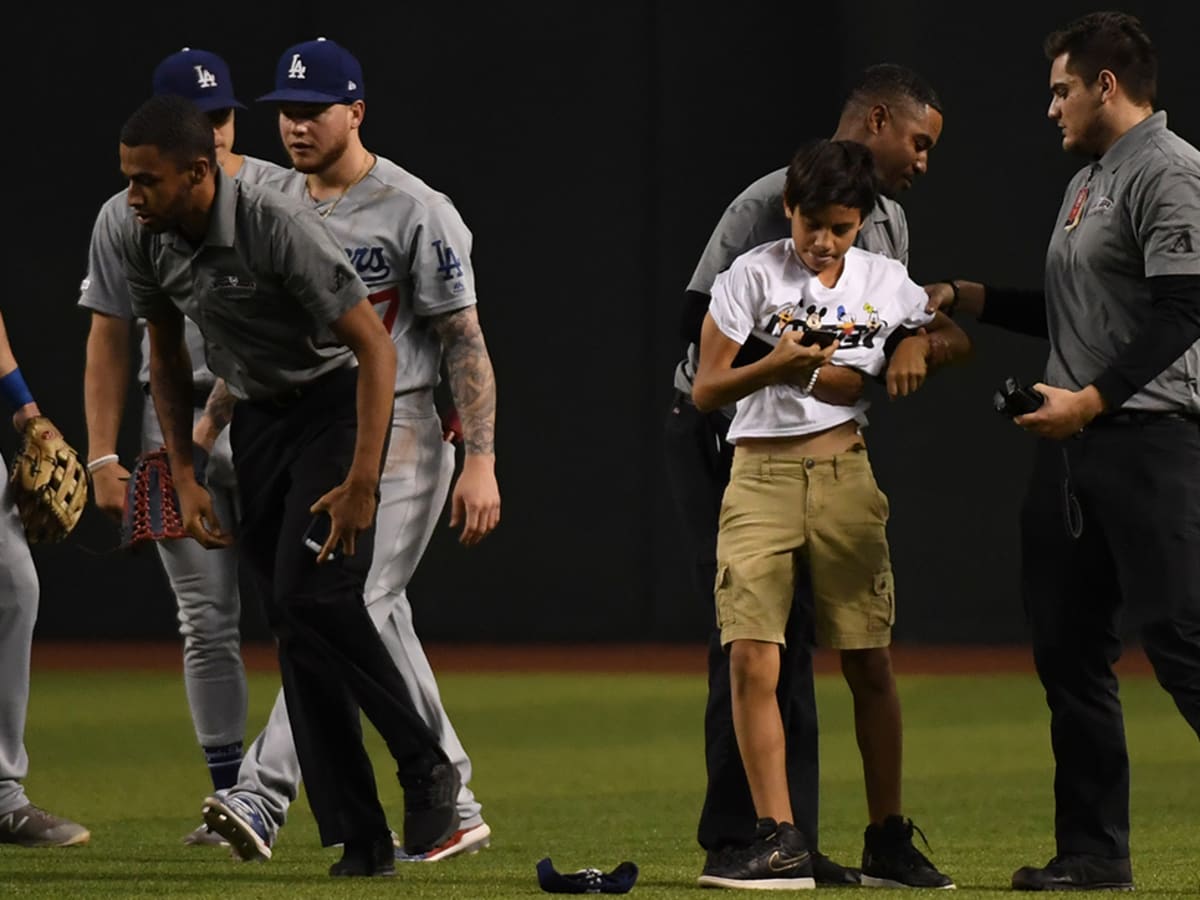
{"x": 1076, "y": 872}
{"x": 430, "y": 809}
{"x": 367, "y": 858}
{"x": 891, "y": 860}
{"x": 828, "y": 873}
{"x": 776, "y": 860}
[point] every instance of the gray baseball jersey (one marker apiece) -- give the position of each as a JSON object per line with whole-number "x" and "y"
{"x": 266, "y": 284}
{"x": 412, "y": 250}
{"x": 755, "y": 217}
{"x": 105, "y": 289}
{"x": 1132, "y": 215}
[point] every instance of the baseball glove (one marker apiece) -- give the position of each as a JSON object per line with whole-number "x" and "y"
{"x": 151, "y": 503}
{"x": 49, "y": 483}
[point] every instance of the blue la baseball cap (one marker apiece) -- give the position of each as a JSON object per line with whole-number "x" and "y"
{"x": 319, "y": 71}
{"x": 198, "y": 75}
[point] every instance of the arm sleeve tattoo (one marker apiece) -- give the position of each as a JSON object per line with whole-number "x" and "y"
{"x": 472, "y": 381}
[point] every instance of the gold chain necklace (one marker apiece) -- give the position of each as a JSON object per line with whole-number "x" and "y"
{"x": 328, "y": 211}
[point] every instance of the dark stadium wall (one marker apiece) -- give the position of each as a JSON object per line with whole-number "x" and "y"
{"x": 591, "y": 149}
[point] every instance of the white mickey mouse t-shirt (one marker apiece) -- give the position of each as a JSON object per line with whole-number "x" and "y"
{"x": 768, "y": 290}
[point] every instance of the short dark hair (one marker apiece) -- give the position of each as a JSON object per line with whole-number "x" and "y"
{"x": 175, "y": 126}
{"x": 1109, "y": 40}
{"x": 890, "y": 83}
{"x": 826, "y": 173}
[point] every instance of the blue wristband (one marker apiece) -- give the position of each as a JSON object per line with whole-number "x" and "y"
{"x": 14, "y": 390}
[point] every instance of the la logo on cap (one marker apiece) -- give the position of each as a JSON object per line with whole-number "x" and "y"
{"x": 205, "y": 78}
{"x": 297, "y": 69}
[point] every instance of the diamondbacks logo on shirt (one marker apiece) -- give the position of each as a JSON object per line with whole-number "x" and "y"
{"x": 1180, "y": 243}
{"x": 205, "y": 78}
{"x": 232, "y": 282}
{"x": 1076, "y": 213}
{"x": 370, "y": 263}
{"x": 297, "y": 68}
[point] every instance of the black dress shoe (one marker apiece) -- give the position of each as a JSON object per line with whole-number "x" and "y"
{"x": 827, "y": 873}
{"x": 371, "y": 858}
{"x": 1075, "y": 872}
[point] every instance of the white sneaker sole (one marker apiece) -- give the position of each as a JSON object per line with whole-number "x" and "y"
{"x": 243, "y": 840}
{"x": 464, "y": 842}
{"x": 757, "y": 884}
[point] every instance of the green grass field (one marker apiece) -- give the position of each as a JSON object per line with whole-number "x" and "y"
{"x": 589, "y": 770}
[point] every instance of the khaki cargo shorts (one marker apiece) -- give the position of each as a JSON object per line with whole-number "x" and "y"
{"x": 827, "y": 512}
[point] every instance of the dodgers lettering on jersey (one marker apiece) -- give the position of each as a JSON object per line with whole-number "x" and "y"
{"x": 769, "y": 291}
{"x": 412, "y": 250}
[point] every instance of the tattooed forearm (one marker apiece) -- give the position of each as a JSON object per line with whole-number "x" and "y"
{"x": 472, "y": 381}
{"x": 219, "y": 406}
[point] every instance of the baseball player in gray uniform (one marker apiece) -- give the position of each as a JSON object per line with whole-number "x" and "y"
{"x": 412, "y": 250}
{"x": 205, "y": 582}
{"x": 898, "y": 116}
{"x": 1110, "y": 524}
{"x": 21, "y": 822}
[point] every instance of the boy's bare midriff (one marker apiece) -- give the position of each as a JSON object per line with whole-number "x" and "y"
{"x": 831, "y": 441}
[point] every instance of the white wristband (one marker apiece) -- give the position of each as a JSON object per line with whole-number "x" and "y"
{"x": 812, "y": 382}
{"x": 101, "y": 461}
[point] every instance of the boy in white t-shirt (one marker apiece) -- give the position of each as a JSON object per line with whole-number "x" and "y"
{"x": 801, "y": 484}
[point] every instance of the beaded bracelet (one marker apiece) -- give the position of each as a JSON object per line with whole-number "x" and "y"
{"x": 812, "y": 382}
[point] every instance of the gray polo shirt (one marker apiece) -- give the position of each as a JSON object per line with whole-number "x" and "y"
{"x": 105, "y": 290}
{"x": 263, "y": 287}
{"x": 756, "y": 217}
{"x": 1132, "y": 215}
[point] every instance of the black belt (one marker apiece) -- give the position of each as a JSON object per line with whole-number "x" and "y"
{"x": 200, "y": 393}
{"x": 292, "y": 396}
{"x": 1124, "y": 418}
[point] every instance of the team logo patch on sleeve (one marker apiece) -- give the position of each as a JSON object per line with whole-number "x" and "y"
{"x": 1180, "y": 243}
{"x": 449, "y": 266}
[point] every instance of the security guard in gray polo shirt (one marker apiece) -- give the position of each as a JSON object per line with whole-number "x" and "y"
{"x": 286, "y": 323}
{"x": 1112, "y": 516}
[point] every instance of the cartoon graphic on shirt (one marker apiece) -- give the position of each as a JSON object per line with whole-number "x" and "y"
{"x": 783, "y": 320}
{"x": 847, "y": 328}
{"x": 845, "y": 321}
{"x": 874, "y": 323}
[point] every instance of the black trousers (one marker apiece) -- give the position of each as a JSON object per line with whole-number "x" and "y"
{"x": 1130, "y": 489}
{"x": 331, "y": 659}
{"x": 698, "y": 463}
